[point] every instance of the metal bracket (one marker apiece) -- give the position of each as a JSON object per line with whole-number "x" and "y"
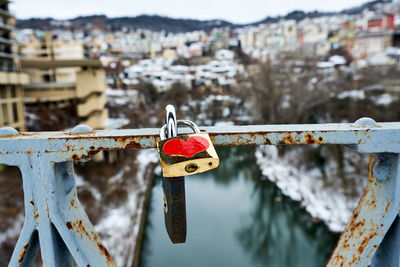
{"x": 376, "y": 212}
{"x": 54, "y": 218}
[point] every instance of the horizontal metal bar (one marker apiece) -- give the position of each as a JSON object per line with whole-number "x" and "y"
{"x": 383, "y": 137}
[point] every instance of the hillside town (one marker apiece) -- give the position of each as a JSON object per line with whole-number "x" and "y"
{"x": 55, "y": 64}
{"x": 197, "y": 58}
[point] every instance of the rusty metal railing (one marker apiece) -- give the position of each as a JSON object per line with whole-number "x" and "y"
{"x": 56, "y": 222}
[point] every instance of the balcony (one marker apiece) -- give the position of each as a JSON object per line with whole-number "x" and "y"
{"x": 89, "y": 82}
{"x": 5, "y": 13}
{"x": 93, "y": 103}
{"x": 8, "y": 55}
{"x": 97, "y": 119}
{"x": 49, "y": 92}
{"x": 7, "y": 41}
{"x": 8, "y": 66}
{"x": 5, "y": 26}
{"x": 13, "y": 78}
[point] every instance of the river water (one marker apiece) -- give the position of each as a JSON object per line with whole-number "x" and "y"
{"x": 236, "y": 218}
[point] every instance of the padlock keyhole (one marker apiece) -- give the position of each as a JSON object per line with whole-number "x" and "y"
{"x": 192, "y": 167}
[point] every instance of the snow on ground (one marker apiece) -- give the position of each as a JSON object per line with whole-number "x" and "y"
{"x": 13, "y": 231}
{"x": 116, "y": 123}
{"x": 122, "y": 97}
{"x": 384, "y": 99}
{"x": 120, "y": 226}
{"x": 354, "y": 94}
{"x": 120, "y": 93}
{"x": 323, "y": 198}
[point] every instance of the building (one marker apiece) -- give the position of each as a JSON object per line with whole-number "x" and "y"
{"x": 313, "y": 37}
{"x": 289, "y": 32}
{"x": 46, "y": 48}
{"x": 371, "y": 43}
{"x": 11, "y": 80}
{"x": 60, "y": 76}
{"x": 381, "y": 22}
{"x": 86, "y": 93}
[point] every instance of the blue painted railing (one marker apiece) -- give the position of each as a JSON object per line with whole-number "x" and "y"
{"x": 56, "y": 222}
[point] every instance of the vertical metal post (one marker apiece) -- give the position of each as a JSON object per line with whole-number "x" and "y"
{"x": 377, "y": 210}
{"x": 55, "y": 218}
{"x": 387, "y": 171}
{"x": 388, "y": 252}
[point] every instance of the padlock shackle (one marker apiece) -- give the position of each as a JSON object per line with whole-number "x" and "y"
{"x": 170, "y": 121}
{"x": 188, "y": 123}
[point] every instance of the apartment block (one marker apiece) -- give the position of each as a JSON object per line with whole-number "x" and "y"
{"x": 11, "y": 80}
{"x": 86, "y": 91}
{"x": 60, "y": 75}
{"x": 47, "y": 49}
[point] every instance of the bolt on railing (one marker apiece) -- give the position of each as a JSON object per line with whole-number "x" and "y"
{"x": 56, "y": 222}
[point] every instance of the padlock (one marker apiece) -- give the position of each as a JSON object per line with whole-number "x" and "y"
{"x": 186, "y": 154}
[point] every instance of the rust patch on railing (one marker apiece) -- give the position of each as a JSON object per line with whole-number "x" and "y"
{"x": 79, "y": 228}
{"x": 22, "y": 254}
{"x": 132, "y": 144}
{"x": 103, "y": 250}
{"x": 358, "y": 229}
{"x": 288, "y": 139}
{"x": 73, "y": 204}
{"x": 387, "y": 207}
{"x": 124, "y": 143}
{"x": 35, "y": 214}
{"x": 283, "y": 138}
{"x": 310, "y": 139}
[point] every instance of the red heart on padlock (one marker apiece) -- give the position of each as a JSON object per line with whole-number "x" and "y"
{"x": 179, "y": 147}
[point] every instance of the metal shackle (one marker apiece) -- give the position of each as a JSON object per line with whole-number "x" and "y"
{"x": 170, "y": 120}
{"x": 188, "y": 123}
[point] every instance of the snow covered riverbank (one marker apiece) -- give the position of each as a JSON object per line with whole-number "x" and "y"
{"x": 322, "y": 191}
{"x": 119, "y": 226}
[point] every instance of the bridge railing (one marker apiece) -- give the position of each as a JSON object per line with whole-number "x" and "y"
{"x": 56, "y": 222}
